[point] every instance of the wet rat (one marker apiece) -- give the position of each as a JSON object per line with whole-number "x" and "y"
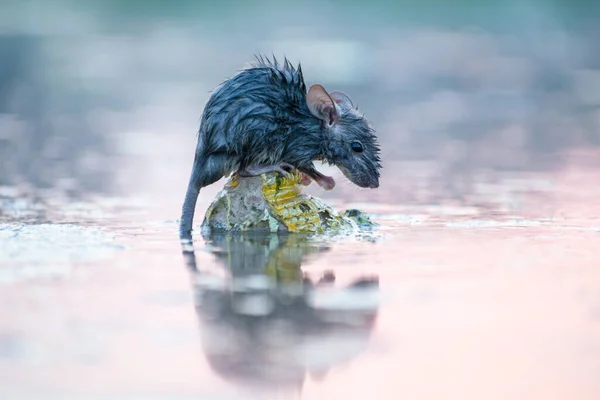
{"x": 263, "y": 120}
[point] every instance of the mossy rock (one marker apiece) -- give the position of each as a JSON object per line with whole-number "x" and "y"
{"x": 271, "y": 203}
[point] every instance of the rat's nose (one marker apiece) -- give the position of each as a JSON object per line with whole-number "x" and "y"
{"x": 374, "y": 185}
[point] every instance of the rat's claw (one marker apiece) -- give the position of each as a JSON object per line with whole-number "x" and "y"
{"x": 284, "y": 173}
{"x": 286, "y": 169}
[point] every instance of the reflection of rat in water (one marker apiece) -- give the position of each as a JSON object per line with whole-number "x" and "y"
{"x": 265, "y": 324}
{"x": 264, "y": 120}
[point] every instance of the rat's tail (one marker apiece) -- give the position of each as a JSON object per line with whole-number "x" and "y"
{"x": 206, "y": 170}
{"x": 188, "y": 210}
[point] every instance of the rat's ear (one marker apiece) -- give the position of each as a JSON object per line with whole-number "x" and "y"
{"x": 342, "y": 99}
{"x": 321, "y": 105}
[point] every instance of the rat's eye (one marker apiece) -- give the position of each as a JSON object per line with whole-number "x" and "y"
{"x": 357, "y": 147}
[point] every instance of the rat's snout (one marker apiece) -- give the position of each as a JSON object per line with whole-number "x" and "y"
{"x": 360, "y": 178}
{"x": 372, "y": 182}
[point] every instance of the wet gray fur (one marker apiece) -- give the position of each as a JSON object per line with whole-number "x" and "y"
{"x": 260, "y": 117}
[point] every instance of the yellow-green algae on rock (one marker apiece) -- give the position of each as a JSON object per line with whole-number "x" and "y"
{"x": 273, "y": 203}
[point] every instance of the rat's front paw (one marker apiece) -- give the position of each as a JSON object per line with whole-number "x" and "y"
{"x": 326, "y": 182}
{"x": 305, "y": 180}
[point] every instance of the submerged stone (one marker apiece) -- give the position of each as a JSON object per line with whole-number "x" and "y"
{"x": 273, "y": 203}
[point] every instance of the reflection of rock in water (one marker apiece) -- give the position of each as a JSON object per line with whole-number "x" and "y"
{"x": 268, "y": 325}
{"x": 45, "y": 139}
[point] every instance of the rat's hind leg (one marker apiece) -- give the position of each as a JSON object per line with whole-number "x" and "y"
{"x": 254, "y": 170}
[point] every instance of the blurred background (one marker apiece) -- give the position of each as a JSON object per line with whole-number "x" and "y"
{"x": 489, "y": 247}
{"x": 105, "y": 96}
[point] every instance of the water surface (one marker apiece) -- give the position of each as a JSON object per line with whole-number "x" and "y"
{"x": 497, "y": 297}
